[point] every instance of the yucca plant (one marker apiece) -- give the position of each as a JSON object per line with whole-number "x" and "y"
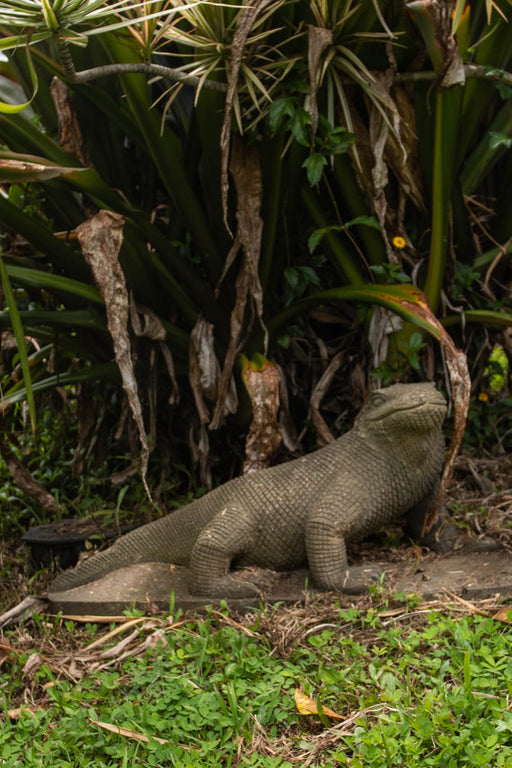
{"x": 268, "y": 160}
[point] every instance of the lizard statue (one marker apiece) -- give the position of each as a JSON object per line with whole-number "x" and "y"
{"x": 302, "y": 511}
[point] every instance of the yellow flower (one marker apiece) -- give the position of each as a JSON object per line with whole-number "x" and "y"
{"x": 483, "y": 396}
{"x": 399, "y": 242}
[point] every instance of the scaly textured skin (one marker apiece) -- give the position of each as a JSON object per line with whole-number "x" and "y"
{"x": 302, "y": 511}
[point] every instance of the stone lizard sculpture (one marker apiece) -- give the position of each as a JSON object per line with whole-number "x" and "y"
{"x": 301, "y": 511}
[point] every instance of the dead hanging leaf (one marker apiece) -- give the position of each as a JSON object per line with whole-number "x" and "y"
{"x": 263, "y": 382}
{"x": 437, "y": 24}
{"x": 70, "y": 135}
{"x": 319, "y": 38}
{"x": 286, "y": 425}
{"x": 100, "y": 239}
{"x": 204, "y": 372}
{"x": 174, "y": 395}
{"x": 324, "y": 435}
{"x": 460, "y": 382}
{"x": 372, "y": 171}
{"x": 246, "y": 170}
{"x": 24, "y": 169}
{"x": 201, "y": 454}
{"x": 244, "y": 23}
{"x": 383, "y": 324}
{"x": 307, "y": 706}
{"x": 457, "y": 364}
{"x": 388, "y": 144}
{"x": 205, "y": 368}
{"x": 385, "y": 130}
{"x": 379, "y": 131}
{"x": 147, "y": 324}
{"x": 402, "y": 156}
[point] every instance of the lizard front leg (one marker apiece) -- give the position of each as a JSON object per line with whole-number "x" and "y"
{"x": 228, "y": 535}
{"x": 327, "y": 559}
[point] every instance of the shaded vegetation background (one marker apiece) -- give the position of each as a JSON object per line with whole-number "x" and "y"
{"x": 278, "y": 177}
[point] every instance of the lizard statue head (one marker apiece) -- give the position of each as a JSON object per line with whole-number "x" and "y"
{"x": 404, "y": 410}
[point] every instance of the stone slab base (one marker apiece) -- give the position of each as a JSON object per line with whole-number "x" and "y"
{"x": 159, "y": 586}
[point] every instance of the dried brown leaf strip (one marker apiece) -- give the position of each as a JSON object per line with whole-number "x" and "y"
{"x": 101, "y": 238}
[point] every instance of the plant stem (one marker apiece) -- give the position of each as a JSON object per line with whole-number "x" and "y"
{"x": 471, "y": 71}
{"x": 86, "y": 75}
{"x": 66, "y": 59}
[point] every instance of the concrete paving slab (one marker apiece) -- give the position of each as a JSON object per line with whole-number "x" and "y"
{"x": 472, "y": 575}
{"x": 148, "y": 586}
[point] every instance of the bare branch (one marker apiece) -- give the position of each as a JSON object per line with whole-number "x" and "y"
{"x": 86, "y": 75}
{"x": 471, "y": 71}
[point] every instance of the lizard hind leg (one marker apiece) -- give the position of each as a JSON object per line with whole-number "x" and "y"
{"x": 228, "y": 535}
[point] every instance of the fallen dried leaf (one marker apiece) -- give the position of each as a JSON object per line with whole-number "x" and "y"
{"x": 31, "y": 666}
{"x": 23, "y": 610}
{"x": 15, "y": 714}
{"x": 122, "y": 628}
{"x": 130, "y": 734}
{"x": 501, "y": 615}
{"x": 307, "y": 706}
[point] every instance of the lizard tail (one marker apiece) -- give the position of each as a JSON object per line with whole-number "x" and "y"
{"x": 159, "y": 540}
{"x": 96, "y": 566}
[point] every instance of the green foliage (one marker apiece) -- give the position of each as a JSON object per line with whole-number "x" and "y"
{"x": 496, "y": 371}
{"x": 173, "y": 83}
{"x": 429, "y": 689}
{"x": 367, "y": 221}
{"x": 302, "y": 277}
{"x": 79, "y": 478}
{"x": 407, "y": 356}
{"x": 294, "y": 118}
{"x": 390, "y": 273}
{"x": 489, "y": 425}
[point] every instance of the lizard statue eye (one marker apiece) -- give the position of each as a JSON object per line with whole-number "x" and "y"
{"x": 377, "y": 399}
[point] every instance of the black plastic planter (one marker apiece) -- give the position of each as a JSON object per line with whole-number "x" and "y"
{"x": 64, "y": 540}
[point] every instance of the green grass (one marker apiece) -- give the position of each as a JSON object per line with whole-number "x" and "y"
{"x": 414, "y": 686}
